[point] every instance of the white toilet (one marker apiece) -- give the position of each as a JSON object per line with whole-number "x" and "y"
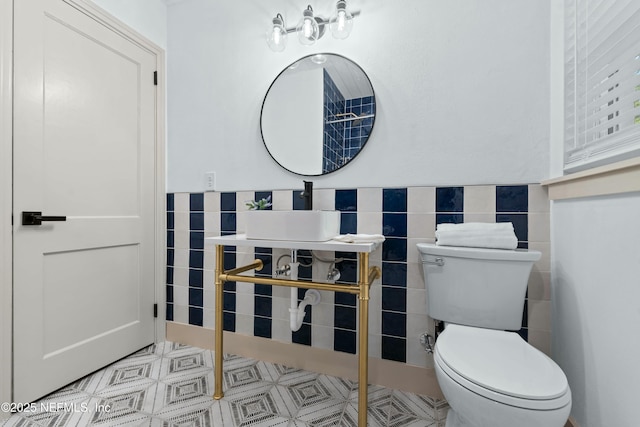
{"x": 490, "y": 377}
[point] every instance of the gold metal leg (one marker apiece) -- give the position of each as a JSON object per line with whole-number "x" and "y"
{"x": 363, "y": 347}
{"x": 217, "y": 362}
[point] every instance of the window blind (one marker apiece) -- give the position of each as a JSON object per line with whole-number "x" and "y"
{"x": 602, "y": 81}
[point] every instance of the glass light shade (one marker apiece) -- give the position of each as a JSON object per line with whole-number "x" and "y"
{"x": 277, "y": 35}
{"x": 319, "y": 59}
{"x": 308, "y": 29}
{"x": 341, "y": 22}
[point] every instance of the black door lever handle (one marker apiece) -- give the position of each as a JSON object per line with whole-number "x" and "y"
{"x": 36, "y": 218}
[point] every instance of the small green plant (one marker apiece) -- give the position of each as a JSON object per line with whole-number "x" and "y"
{"x": 258, "y": 205}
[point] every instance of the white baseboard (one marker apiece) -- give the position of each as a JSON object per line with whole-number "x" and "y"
{"x": 390, "y": 374}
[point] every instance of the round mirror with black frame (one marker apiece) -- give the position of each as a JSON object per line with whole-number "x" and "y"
{"x": 318, "y": 114}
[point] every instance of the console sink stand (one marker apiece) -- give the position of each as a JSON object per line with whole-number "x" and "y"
{"x": 366, "y": 275}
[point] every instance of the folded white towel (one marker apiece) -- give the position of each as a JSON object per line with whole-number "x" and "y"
{"x": 360, "y": 238}
{"x": 493, "y": 242}
{"x": 477, "y": 235}
{"x": 477, "y": 226}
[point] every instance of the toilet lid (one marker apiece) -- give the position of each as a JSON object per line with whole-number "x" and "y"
{"x": 501, "y": 362}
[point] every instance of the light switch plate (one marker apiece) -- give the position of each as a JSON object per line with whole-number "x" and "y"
{"x": 210, "y": 181}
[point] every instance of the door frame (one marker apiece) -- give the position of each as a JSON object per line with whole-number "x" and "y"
{"x": 6, "y": 178}
{"x": 6, "y": 173}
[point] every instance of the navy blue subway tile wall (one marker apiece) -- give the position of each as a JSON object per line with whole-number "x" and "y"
{"x": 343, "y": 138}
{"x": 449, "y": 205}
{"x": 346, "y": 201}
{"x": 511, "y": 204}
{"x": 262, "y": 299}
{"x": 394, "y": 258}
{"x": 170, "y": 255}
{"x": 356, "y": 131}
{"x": 196, "y": 202}
{"x": 263, "y": 303}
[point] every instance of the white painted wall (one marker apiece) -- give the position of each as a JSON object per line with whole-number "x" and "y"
{"x": 596, "y": 306}
{"x": 556, "y": 101}
{"x": 462, "y": 91}
{"x": 148, "y": 17}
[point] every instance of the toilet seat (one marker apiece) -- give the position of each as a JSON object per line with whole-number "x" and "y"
{"x": 501, "y": 366}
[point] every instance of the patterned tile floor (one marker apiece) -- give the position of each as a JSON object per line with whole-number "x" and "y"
{"x": 171, "y": 385}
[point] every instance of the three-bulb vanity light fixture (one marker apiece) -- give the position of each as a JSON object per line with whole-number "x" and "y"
{"x": 311, "y": 28}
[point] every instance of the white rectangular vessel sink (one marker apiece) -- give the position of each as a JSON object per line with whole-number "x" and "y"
{"x": 298, "y": 226}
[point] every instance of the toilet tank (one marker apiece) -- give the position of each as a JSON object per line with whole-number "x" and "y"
{"x": 476, "y": 286}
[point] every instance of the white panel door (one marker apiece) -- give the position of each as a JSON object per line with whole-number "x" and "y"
{"x": 84, "y": 148}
